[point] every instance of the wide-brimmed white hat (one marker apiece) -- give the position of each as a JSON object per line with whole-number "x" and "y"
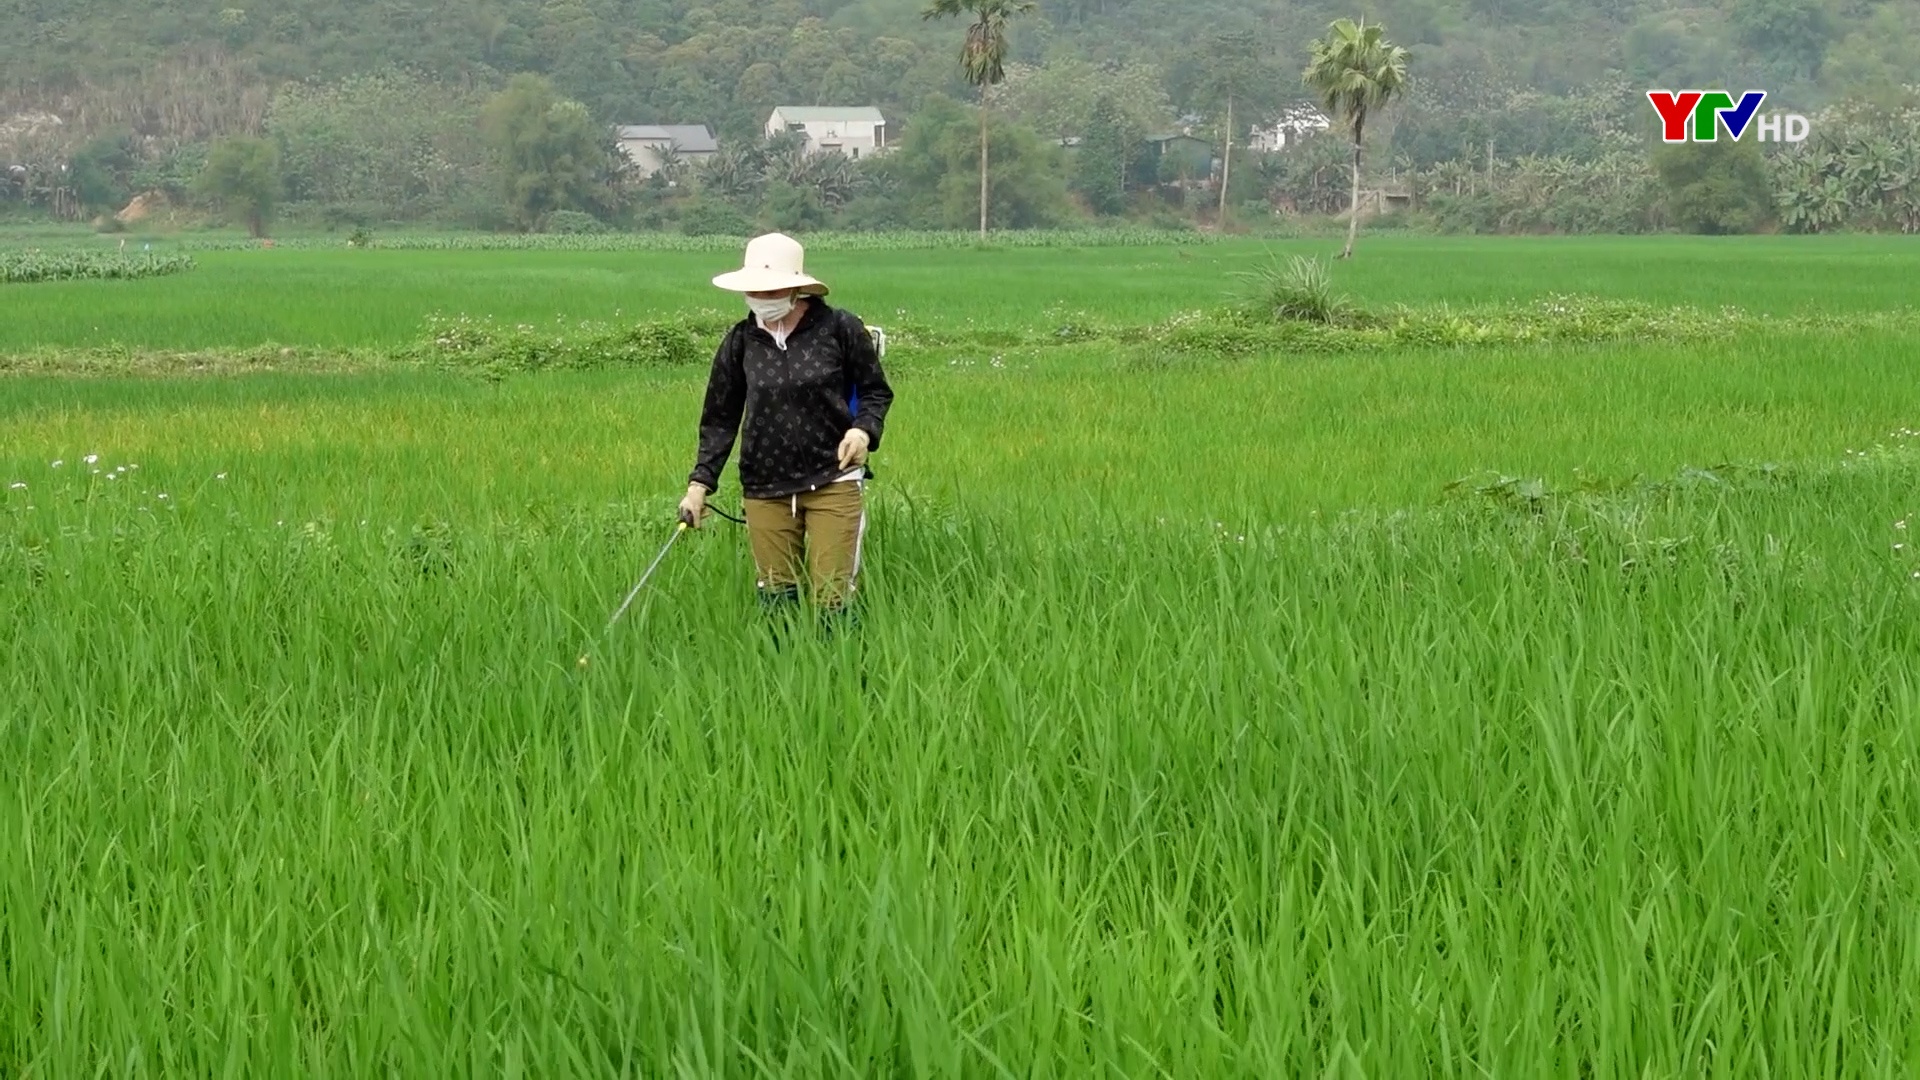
{"x": 774, "y": 261}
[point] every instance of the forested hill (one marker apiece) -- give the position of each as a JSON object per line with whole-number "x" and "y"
{"x": 725, "y": 62}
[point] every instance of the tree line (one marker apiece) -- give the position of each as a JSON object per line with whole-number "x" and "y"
{"x": 496, "y": 115}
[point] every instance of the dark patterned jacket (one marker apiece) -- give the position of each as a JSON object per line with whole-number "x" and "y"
{"x": 796, "y": 402}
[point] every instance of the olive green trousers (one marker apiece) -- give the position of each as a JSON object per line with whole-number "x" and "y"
{"x": 814, "y": 536}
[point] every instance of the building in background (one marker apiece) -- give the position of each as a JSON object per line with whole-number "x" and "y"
{"x": 1182, "y": 159}
{"x": 654, "y": 146}
{"x": 856, "y": 132}
{"x": 1296, "y": 122}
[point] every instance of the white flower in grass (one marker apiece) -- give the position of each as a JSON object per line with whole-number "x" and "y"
{"x": 1901, "y": 524}
{"x": 163, "y": 496}
{"x": 220, "y": 476}
{"x": 57, "y": 464}
{"x": 18, "y": 485}
{"x": 91, "y": 459}
{"x": 113, "y": 476}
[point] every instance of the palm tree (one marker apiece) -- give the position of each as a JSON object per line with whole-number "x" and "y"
{"x": 1356, "y": 71}
{"x": 983, "y": 59}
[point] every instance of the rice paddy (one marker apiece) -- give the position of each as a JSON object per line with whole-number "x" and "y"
{"x": 1516, "y": 709}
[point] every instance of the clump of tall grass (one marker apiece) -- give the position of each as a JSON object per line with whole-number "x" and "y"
{"x": 1298, "y": 289}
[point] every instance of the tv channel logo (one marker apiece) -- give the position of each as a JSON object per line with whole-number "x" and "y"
{"x": 1698, "y": 116}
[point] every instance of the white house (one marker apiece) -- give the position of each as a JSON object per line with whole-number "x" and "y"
{"x": 1296, "y": 122}
{"x": 648, "y": 144}
{"x": 855, "y": 132}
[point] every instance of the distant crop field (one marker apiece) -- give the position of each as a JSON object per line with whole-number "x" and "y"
{"x": 1459, "y": 696}
{"x": 343, "y": 298}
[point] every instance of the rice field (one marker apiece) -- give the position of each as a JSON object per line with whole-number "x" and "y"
{"x": 352, "y": 299}
{"x": 1514, "y": 710}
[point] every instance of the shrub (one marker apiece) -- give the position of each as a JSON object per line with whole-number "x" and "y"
{"x": 711, "y": 217}
{"x": 1716, "y": 187}
{"x": 574, "y": 223}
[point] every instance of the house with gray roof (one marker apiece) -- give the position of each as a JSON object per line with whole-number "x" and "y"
{"x": 856, "y": 132}
{"x": 651, "y": 145}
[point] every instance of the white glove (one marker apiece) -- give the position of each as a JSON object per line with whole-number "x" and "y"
{"x": 853, "y": 448}
{"x": 693, "y": 508}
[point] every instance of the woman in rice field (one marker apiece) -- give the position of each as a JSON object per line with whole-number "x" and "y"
{"x": 806, "y": 380}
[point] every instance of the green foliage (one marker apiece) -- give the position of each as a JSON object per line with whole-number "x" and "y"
{"x": 1297, "y": 314}
{"x": 493, "y": 349}
{"x": 983, "y": 51}
{"x": 1457, "y": 116}
{"x": 102, "y": 171}
{"x": 1355, "y": 71}
{"x": 549, "y": 152}
{"x": 1874, "y": 58}
{"x": 1298, "y": 289}
{"x": 573, "y": 223}
{"x": 1100, "y": 162}
{"x": 1862, "y": 169}
{"x": 396, "y": 143}
{"x": 713, "y": 217}
{"x": 1061, "y": 98}
{"x": 173, "y": 173}
{"x": 376, "y": 110}
{"x": 933, "y": 171}
{"x": 792, "y": 208}
{"x": 1716, "y": 187}
{"x": 1617, "y": 193}
{"x": 1794, "y": 33}
{"x": 780, "y": 181}
{"x": 26, "y": 267}
{"x": 242, "y": 177}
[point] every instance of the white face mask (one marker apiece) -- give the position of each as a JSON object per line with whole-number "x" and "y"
{"x": 771, "y": 311}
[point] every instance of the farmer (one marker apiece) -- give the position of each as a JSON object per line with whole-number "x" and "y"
{"x": 806, "y": 379}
